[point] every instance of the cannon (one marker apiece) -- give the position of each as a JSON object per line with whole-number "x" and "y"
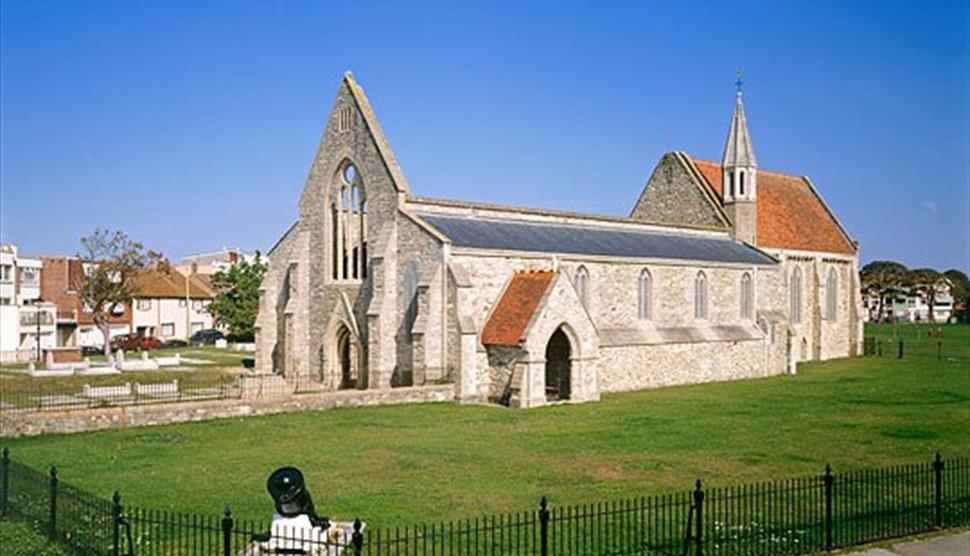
{"x": 296, "y": 528}
{"x": 291, "y": 496}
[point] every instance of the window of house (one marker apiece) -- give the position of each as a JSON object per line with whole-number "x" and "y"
{"x": 645, "y": 295}
{"x": 197, "y": 304}
{"x": 29, "y": 276}
{"x": 700, "y": 295}
{"x": 6, "y": 273}
{"x": 144, "y": 304}
{"x": 168, "y": 329}
{"x": 795, "y": 296}
{"x": 831, "y": 295}
{"x": 746, "y": 296}
{"x": 182, "y": 303}
{"x": 581, "y": 283}
{"x": 196, "y": 327}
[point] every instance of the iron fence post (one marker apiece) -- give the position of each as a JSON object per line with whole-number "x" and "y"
{"x": 879, "y": 348}
{"x": 939, "y": 349}
{"x": 543, "y": 527}
{"x": 900, "y": 349}
{"x": 938, "y": 472}
{"x": 699, "y": 505}
{"x": 227, "y": 523}
{"x": 4, "y": 480}
{"x": 116, "y": 515}
{"x": 829, "y": 481}
{"x": 358, "y": 538}
{"x": 52, "y": 531}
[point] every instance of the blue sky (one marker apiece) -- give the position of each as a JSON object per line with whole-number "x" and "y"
{"x": 191, "y": 125}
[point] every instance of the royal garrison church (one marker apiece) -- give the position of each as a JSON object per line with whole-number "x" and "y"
{"x": 722, "y": 271}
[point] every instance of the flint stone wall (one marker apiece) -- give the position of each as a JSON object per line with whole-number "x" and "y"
{"x": 623, "y": 368}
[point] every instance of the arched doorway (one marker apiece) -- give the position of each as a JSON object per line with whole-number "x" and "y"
{"x": 345, "y": 359}
{"x": 558, "y": 366}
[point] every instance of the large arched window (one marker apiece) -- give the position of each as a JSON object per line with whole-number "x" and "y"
{"x": 348, "y": 226}
{"x": 831, "y": 295}
{"x": 645, "y": 295}
{"x": 700, "y": 295}
{"x": 795, "y": 296}
{"x": 582, "y": 285}
{"x": 747, "y": 300}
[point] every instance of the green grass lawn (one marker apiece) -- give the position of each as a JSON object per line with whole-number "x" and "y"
{"x": 399, "y": 465}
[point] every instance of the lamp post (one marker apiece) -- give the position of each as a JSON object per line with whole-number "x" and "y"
{"x": 38, "y": 331}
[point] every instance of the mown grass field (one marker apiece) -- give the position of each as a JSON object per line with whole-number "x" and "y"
{"x": 406, "y": 464}
{"x": 222, "y": 366}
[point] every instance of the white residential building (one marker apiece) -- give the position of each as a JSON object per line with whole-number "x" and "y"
{"x": 27, "y": 323}
{"x": 170, "y": 305}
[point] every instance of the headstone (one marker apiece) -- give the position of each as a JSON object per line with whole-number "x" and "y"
{"x": 120, "y": 356}
{"x": 49, "y": 359}
{"x": 144, "y": 356}
{"x": 222, "y": 343}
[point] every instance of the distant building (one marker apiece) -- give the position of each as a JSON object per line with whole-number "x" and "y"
{"x": 210, "y": 263}
{"x": 75, "y": 323}
{"x": 171, "y": 305}
{"x": 912, "y": 306}
{"x": 26, "y": 320}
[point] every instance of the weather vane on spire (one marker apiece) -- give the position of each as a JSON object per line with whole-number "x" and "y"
{"x": 739, "y": 81}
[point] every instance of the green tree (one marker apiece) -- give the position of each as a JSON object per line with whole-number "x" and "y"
{"x": 236, "y": 301}
{"x": 960, "y": 291}
{"x": 111, "y": 260}
{"x": 928, "y": 283}
{"x": 884, "y": 280}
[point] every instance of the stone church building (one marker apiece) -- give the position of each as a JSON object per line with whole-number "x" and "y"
{"x": 721, "y": 271}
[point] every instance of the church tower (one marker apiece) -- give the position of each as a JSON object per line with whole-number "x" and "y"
{"x": 740, "y": 176}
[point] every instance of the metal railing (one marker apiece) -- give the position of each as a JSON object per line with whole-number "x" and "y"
{"x": 792, "y": 516}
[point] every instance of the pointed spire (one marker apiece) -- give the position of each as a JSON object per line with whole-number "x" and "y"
{"x": 739, "y": 151}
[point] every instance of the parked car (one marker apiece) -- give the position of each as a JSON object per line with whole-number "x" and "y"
{"x": 131, "y": 342}
{"x": 175, "y": 344}
{"x": 206, "y": 337}
{"x": 89, "y": 351}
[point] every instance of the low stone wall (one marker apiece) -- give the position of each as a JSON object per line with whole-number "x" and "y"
{"x": 13, "y": 425}
{"x": 623, "y": 368}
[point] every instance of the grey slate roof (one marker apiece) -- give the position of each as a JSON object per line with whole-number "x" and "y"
{"x": 553, "y": 237}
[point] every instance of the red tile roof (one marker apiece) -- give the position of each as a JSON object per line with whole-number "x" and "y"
{"x": 514, "y": 310}
{"x": 790, "y": 213}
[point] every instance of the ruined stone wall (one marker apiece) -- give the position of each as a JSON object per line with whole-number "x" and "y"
{"x": 420, "y": 352}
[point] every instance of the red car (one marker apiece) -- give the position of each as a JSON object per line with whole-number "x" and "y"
{"x": 132, "y": 342}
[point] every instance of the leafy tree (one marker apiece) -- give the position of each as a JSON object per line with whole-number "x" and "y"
{"x": 960, "y": 291}
{"x": 111, "y": 260}
{"x": 928, "y": 283}
{"x": 236, "y": 302}
{"x": 884, "y": 280}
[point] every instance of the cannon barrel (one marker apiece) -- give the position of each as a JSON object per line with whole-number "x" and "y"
{"x": 290, "y": 494}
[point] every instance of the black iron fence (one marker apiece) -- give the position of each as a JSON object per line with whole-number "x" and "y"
{"x": 793, "y": 516}
{"x": 932, "y": 347}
